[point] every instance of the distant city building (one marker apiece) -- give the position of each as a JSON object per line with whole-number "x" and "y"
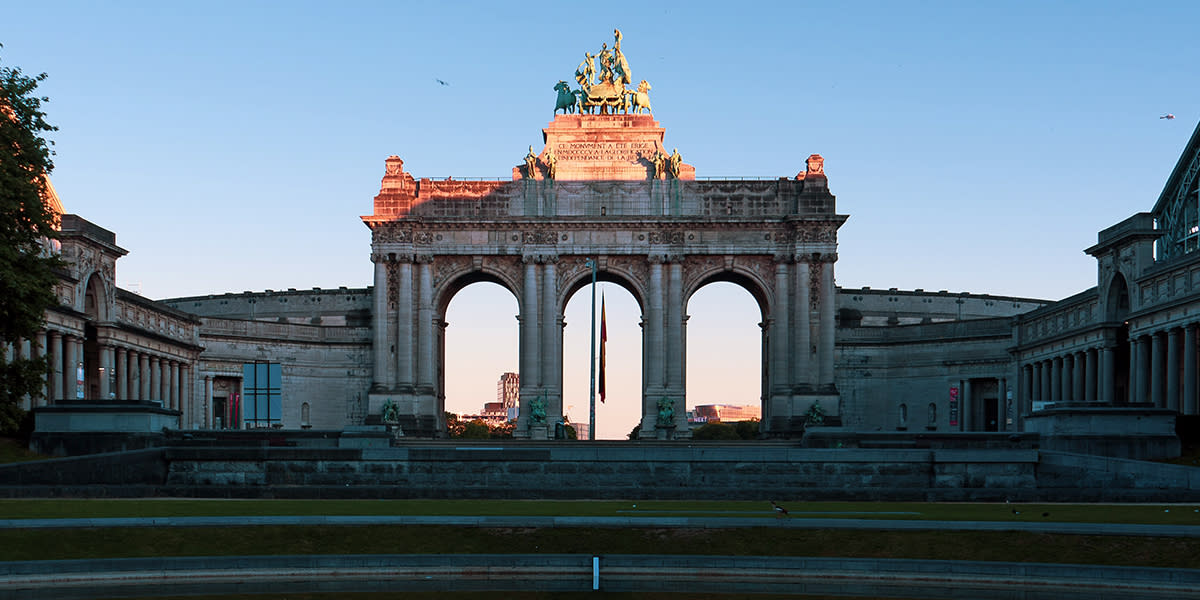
{"x": 581, "y": 430}
{"x": 717, "y": 413}
{"x": 508, "y": 395}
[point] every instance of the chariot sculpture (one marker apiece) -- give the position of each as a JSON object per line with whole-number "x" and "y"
{"x": 603, "y": 91}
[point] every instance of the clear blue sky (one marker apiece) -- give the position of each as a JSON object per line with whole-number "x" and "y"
{"x": 976, "y": 146}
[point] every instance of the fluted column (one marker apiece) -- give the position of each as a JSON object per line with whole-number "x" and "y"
{"x": 208, "y": 416}
{"x": 425, "y": 359}
{"x": 186, "y": 406}
{"x": 44, "y": 343}
{"x": 1189, "y": 370}
{"x": 674, "y": 328}
{"x": 155, "y": 379}
{"x": 1037, "y": 387}
{"x": 71, "y": 366}
{"x": 1093, "y": 376}
{"x": 1157, "y": 370}
{"x": 1173, "y": 367}
{"x": 1077, "y": 378}
{"x": 654, "y": 321}
{"x": 1056, "y": 379}
{"x": 780, "y": 332}
{"x": 802, "y": 340}
{"x": 1144, "y": 344}
{"x": 175, "y": 387}
{"x": 122, "y": 378}
{"x": 404, "y": 324}
{"x": 1002, "y": 410}
{"x": 551, "y": 357}
{"x": 1108, "y": 374}
{"x": 828, "y": 300}
{"x": 144, "y": 375}
{"x": 529, "y": 331}
{"x": 58, "y": 387}
{"x": 1068, "y": 377}
{"x": 379, "y": 321}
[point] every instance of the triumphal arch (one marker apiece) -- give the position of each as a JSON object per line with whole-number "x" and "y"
{"x": 605, "y": 188}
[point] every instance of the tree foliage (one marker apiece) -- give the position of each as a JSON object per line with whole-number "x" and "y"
{"x": 476, "y": 429}
{"x": 27, "y": 221}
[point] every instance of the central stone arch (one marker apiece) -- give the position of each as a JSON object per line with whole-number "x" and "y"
{"x": 660, "y": 236}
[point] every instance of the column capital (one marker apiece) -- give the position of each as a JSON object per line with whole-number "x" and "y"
{"x": 656, "y": 259}
{"x": 422, "y": 259}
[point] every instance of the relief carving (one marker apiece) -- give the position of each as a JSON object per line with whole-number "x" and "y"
{"x": 666, "y": 237}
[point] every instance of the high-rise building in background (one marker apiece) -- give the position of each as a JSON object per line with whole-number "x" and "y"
{"x": 508, "y": 394}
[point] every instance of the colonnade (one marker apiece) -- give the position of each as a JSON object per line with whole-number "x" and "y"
{"x": 123, "y": 372}
{"x": 1083, "y": 375}
{"x": 1163, "y": 370}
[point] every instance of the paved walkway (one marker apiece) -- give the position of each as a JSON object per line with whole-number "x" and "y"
{"x": 650, "y": 521}
{"x": 735, "y": 575}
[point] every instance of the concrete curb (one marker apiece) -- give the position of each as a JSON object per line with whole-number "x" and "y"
{"x": 690, "y": 574}
{"x": 1117, "y": 529}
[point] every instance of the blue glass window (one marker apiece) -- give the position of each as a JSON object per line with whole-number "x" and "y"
{"x": 262, "y": 394}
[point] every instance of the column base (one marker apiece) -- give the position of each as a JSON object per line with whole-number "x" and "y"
{"x": 790, "y": 414}
{"x": 417, "y": 414}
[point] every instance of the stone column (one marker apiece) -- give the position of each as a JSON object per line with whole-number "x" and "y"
{"x": 1056, "y": 379}
{"x": 175, "y": 387}
{"x": 144, "y": 373}
{"x": 654, "y": 314}
{"x": 1157, "y": 370}
{"x": 1189, "y": 370}
{"x": 44, "y": 343}
{"x": 1068, "y": 371}
{"x": 425, "y": 357}
{"x": 802, "y": 369}
{"x": 1173, "y": 368}
{"x": 380, "y": 353}
{"x": 551, "y": 357}
{"x": 1077, "y": 379}
{"x": 1036, "y": 387}
{"x": 207, "y": 415}
{"x": 653, "y": 333}
{"x": 676, "y": 350}
{"x": 1108, "y": 374}
{"x": 155, "y": 379}
{"x": 781, "y": 338}
{"x": 529, "y": 333}
{"x": 1089, "y": 390}
{"x": 404, "y": 324}
{"x": 105, "y": 369}
{"x": 71, "y": 366}
{"x": 828, "y": 299}
{"x": 1144, "y": 343}
{"x": 122, "y": 374}
{"x": 187, "y": 419}
{"x": 58, "y": 387}
{"x": 1025, "y": 389}
{"x": 1002, "y": 410}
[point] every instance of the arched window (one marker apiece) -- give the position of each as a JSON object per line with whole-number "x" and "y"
{"x": 903, "y": 417}
{"x": 932, "y": 415}
{"x": 304, "y": 416}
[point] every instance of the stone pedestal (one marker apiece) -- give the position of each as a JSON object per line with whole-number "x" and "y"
{"x": 1137, "y": 431}
{"x": 539, "y": 432}
{"x": 603, "y": 148}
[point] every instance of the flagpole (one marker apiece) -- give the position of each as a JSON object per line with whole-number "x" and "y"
{"x": 592, "y": 382}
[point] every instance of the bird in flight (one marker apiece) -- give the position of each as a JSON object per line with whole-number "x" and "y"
{"x": 444, "y": 83}
{"x": 1168, "y": 116}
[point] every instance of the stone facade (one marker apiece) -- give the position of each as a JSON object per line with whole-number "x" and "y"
{"x": 876, "y": 360}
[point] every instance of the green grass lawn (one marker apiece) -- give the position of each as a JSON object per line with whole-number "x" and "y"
{"x": 770, "y": 539}
{"x": 42, "y": 544}
{"x": 1178, "y": 514}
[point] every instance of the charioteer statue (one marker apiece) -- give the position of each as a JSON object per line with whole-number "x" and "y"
{"x": 603, "y": 92}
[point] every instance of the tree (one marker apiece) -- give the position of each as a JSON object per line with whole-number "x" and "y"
{"x": 27, "y": 268}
